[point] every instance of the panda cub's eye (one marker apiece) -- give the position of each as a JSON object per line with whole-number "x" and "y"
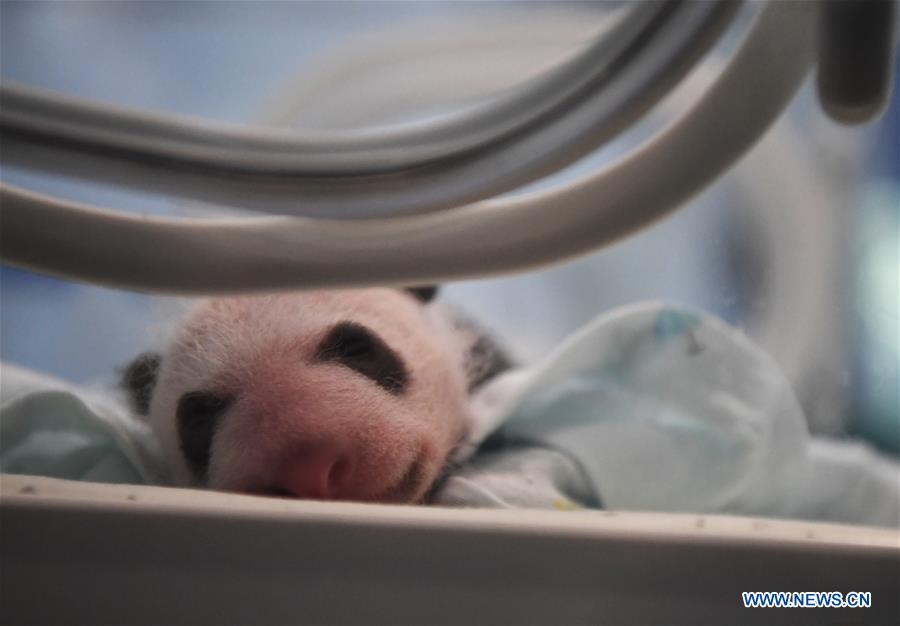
{"x": 198, "y": 415}
{"x": 356, "y": 347}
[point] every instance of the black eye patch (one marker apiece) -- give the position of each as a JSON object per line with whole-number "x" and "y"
{"x": 358, "y": 348}
{"x": 198, "y": 414}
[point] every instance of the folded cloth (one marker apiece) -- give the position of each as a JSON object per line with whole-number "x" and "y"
{"x": 51, "y": 428}
{"x": 654, "y": 407}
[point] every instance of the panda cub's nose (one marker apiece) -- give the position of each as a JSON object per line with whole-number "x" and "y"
{"x": 322, "y": 472}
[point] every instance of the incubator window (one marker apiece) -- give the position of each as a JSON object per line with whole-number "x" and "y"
{"x": 797, "y": 245}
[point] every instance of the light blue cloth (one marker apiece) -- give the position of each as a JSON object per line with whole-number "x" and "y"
{"x": 653, "y": 407}
{"x": 51, "y": 428}
{"x": 649, "y": 407}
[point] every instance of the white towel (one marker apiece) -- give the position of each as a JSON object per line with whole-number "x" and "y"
{"x": 653, "y": 407}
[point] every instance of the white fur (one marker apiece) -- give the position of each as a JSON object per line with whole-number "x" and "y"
{"x": 261, "y": 351}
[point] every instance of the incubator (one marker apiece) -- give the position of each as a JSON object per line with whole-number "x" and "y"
{"x": 545, "y": 161}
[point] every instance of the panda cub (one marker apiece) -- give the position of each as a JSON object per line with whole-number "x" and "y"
{"x": 356, "y": 395}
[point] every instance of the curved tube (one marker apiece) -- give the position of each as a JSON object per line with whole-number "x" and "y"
{"x": 533, "y": 130}
{"x": 504, "y": 235}
{"x": 857, "y": 46}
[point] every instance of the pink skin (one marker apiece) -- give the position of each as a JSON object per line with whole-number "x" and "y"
{"x": 299, "y": 426}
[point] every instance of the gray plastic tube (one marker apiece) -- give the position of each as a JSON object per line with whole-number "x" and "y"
{"x": 494, "y": 237}
{"x": 856, "y": 54}
{"x": 521, "y": 135}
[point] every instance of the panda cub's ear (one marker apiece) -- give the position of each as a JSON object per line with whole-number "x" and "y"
{"x": 424, "y": 294}
{"x": 138, "y": 380}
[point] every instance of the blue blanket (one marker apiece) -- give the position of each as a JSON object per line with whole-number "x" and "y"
{"x": 650, "y": 407}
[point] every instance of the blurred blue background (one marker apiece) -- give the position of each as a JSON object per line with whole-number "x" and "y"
{"x": 734, "y": 251}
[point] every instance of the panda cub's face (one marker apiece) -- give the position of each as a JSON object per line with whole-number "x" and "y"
{"x": 347, "y": 395}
